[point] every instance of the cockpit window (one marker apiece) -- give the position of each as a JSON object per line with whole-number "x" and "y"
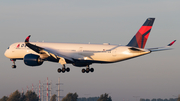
{"x": 22, "y": 45}
{"x": 8, "y": 48}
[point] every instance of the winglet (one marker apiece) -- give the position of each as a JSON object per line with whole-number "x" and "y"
{"x": 27, "y": 39}
{"x": 171, "y": 43}
{"x": 162, "y": 48}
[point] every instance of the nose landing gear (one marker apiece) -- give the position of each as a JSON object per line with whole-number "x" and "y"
{"x": 13, "y": 60}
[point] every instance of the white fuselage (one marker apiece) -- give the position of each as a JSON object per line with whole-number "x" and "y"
{"x": 93, "y": 52}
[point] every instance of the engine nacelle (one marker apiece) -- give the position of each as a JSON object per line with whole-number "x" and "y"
{"x": 33, "y": 60}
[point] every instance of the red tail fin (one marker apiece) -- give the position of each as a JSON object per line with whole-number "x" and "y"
{"x": 140, "y": 39}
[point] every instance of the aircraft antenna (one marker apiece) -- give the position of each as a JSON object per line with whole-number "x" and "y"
{"x": 47, "y": 96}
{"x": 50, "y": 94}
{"x": 22, "y": 91}
{"x": 39, "y": 90}
{"x": 27, "y": 88}
{"x": 42, "y": 92}
{"x": 32, "y": 87}
{"x": 58, "y": 84}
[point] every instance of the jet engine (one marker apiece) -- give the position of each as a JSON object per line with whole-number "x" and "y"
{"x": 33, "y": 60}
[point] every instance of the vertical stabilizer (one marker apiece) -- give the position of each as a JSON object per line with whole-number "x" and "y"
{"x": 139, "y": 40}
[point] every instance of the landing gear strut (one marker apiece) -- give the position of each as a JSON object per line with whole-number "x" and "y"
{"x": 63, "y": 70}
{"x": 13, "y": 60}
{"x": 87, "y": 70}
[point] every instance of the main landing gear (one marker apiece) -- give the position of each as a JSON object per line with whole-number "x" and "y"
{"x": 63, "y": 70}
{"x": 87, "y": 70}
{"x": 13, "y": 60}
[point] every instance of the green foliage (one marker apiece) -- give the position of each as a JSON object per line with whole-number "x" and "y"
{"x": 142, "y": 99}
{"x": 15, "y": 96}
{"x": 4, "y": 98}
{"x": 31, "y": 96}
{"x": 159, "y": 99}
{"x": 23, "y": 97}
{"x": 88, "y": 99}
{"x": 147, "y": 99}
{"x": 70, "y": 97}
{"x": 105, "y": 97}
{"x": 153, "y": 99}
{"x": 53, "y": 98}
{"x": 178, "y": 99}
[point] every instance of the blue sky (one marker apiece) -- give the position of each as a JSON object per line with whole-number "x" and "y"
{"x": 97, "y": 21}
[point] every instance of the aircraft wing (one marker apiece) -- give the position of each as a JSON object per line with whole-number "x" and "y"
{"x": 47, "y": 52}
{"x": 162, "y": 48}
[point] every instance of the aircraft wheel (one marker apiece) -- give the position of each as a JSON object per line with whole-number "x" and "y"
{"x": 68, "y": 69}
{"x": 87, "y": 70}
{"x": 14, "y": 66}
{"x": 83, "y": 70}
{"x": 92, "y": 69}
{"x": 63, "y": 70}
{"x": 59, "y": 70}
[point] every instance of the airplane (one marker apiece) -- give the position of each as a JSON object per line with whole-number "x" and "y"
{"x": 82, "y": 55}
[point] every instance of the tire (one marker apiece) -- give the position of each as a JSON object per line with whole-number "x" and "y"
{"x": 87, "y": 70}
{"x": 63, "y": 70}
{"x": 13, "y": 66}
{"x": 83, "y": 70}
{"x": 59, "y": 70}
{"x": 92, "y": 69}
{"x": 68, "y": 69}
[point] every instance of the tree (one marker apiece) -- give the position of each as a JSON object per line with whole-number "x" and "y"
{"x": 23, "y": 97}
{"x": 14, "y": 96}
{"x": 4, "y": 98}
{"x": 171, "y": 99}
{"x": 166, "y": 100}
{"x": 153, "y": 99}
{"x": 88, "y": 99}
{"x": 178, "y": 99}
{"x": 159, "y": 99}
{"x": 53, "y": 98}
{"x": 31, "y": 96}
{"x": 105, "y": 97}
{"x": 70, "y": 97}
{"x": 142, "y": 99}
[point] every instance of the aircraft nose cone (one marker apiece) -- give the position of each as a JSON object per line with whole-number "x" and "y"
{"x": 6, "y": 53}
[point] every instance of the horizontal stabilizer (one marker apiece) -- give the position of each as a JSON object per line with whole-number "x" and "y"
{"x": 162, "y": 48}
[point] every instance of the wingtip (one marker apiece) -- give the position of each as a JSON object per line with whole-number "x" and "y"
{"x": 172, "y": 43}
{"x": 27, "y": 39}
